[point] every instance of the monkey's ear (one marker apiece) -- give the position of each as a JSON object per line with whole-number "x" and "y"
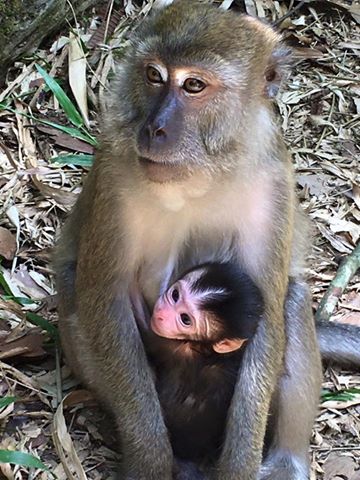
{"x": 228, "y": 345}
{"x": 277, "y": 69}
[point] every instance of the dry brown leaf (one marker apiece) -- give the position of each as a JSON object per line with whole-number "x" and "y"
{"x": 356, "y": 194}
{"x": 8, "y": 245}
{"x": 77, "y": 397}
{"x": 353, "y": 318}
{"x": 340, "y": 466}
{"x": 23, "y": 379}
{"x": 10, "y": 307}
{"x": 340, "y": 405}
{"x": 351, "y": 300}
{"x": 4, "y": 412}
{"x": 29, "y": 346}
{"x": 354, "y": 9}
{"x": 60, "y": 196}
{"x": 250, "y": 7}
{"x": 226, "y": 4}
{"x": 65, "y": 447}
{"x": 336, "y": 242}
{"x": 317, "y": 184}
{"x": 65, "y": 140}
{"x": 28, "y": 285}
{"x": 77, "y": 75}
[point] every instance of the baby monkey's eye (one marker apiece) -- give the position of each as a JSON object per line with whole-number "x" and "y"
{"x": 175, "y": 295}
{"x": 194, "y": 85}
{"x": 153, "y": 75}
{"x": 185, "y": 320}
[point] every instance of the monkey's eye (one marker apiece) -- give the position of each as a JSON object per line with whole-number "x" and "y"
{"x": 153, "y": 75}
{"x": 193, "y": 85}
{"x": 185, "y": 320}
{"x": 175, "y": 295}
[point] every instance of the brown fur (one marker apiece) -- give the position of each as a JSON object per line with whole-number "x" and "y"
{"x": 235, "y": 201}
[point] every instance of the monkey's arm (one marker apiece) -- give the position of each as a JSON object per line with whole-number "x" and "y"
{"x": 101, "y": 339}
{"x": 247, "y": 418}
{"x": 295, "y": 400}
{"x": 263, "y": 359}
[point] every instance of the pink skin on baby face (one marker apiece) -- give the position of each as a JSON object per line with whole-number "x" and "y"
{"x": 177, "y": 316}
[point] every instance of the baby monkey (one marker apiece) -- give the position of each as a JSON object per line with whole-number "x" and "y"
{"x": 197, "y": 329}
{"x": 214, "y": 306}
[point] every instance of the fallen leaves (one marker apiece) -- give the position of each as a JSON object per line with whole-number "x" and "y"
{"x": 28, "y": 346}
{"x": 65, "y": 447}
{"x": 7, "y": 244}
{"x": 340, "y": 467}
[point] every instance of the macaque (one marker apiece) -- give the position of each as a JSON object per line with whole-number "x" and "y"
{"x": 192, "y": 168}
{"x": 201, "y": 323}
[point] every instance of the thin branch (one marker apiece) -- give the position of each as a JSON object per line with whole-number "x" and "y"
{"x": 336, "y": 288}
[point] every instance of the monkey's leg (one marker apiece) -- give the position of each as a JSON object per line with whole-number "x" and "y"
{"x": 101, "y": 338}
{"x": 241, "y": 455}
{"x": 112, "y": 362}
{"x": 296, "y": 399}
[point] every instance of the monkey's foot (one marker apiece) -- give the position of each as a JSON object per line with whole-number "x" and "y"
{"x": 187, "y": 471}
{"x": 284, "y": 467}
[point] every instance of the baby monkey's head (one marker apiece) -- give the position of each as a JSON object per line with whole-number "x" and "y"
{"x": 214, "y": 303}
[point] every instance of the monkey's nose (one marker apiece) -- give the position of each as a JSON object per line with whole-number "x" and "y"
{"x": 156, "y": 132}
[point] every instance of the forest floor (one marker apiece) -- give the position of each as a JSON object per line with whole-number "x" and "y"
{"x": 42, "y": 166}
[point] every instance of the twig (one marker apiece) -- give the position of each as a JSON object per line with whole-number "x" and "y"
{"x": 288, "y": 14}
{"x": 335, "y": 449}
{"x": 336, "y": 288}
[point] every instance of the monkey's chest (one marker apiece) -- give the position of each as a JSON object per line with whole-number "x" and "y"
{"x": 165, "y": 265}
{"x": 162, "y": 244}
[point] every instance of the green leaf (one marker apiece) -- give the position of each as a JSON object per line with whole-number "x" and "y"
{"x": 44, "y": 324}
{"x": 19, "y": 300}
{"x": 353, "y": 390}
{"x": 73, "y": 132}
{"x": 345, "y": 395}
{"x": 23, "y": 459}
{"x": 72, "y": 159}
{"x": 4, "y": 284}
{"x": 5, "y": 401}
{"x": 69, "y": 108}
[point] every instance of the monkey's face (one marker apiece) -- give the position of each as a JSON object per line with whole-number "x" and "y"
{"x": 189, "y": 88}
{"x": 176, "y": 314}
{"x": 169, "y": 140}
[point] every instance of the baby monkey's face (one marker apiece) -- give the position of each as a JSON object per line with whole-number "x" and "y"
{"x": 177, "y": 314}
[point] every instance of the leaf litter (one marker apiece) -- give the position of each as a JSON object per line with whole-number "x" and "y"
{"x": 43, "y": 410}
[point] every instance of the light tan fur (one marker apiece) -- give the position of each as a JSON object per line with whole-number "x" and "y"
{"x": 229, "y": 195}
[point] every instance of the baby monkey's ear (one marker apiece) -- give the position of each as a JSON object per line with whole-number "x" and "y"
{"x": 228, "y": 345}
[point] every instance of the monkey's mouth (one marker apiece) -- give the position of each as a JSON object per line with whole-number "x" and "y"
{"x": 162, "y": 171}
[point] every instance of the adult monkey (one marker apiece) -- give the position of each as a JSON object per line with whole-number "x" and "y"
{"x": 192, "y": 169}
